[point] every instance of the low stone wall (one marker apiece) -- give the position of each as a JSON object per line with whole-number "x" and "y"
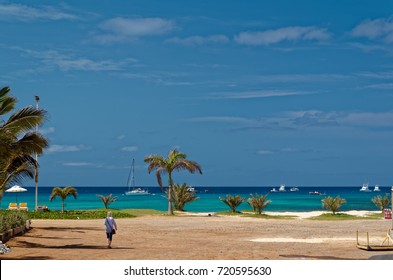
{"x": 5, "y": 236}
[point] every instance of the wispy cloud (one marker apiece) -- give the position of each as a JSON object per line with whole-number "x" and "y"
{"x": 66, "y": 148}
{"x": 255, "y": 94}
{"x": 274, "y": 36}
{"x": 199, "y": 40}
{"x": 279, "y": 151}
{"x": 130, "y": 149}
{"x": 124, "y": 29}
{"x": 68, "y": 61}
{"x": 381, "y": 28}
{"x": 19, "y": 12}
{"x": 93, "y": 165}
{"x": 47, "y": 130}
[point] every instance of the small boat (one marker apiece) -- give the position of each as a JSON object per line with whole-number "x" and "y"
{"x": 273, "y": 190}
{"x": 365, "y": 188}
{"x": 376, "y": 188}
{"x": 294, "y": 189}
{"x": 134, "y": 191}
{"x": 314, "y": 193}
{"x": 191, "y": 189}
{"x": 282, "y": 188}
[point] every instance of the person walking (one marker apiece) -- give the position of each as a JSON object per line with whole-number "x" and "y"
{"x": 110, "y": 228}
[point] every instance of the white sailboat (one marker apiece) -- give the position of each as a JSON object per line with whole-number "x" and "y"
{"x": 134, "y": 191}
{"x": 282, "y": 188}
{"x": 377, "y": 189}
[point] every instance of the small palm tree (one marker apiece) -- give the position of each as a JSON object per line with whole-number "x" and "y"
{"x": 107, "y": 200}
{"x": 63, "y": 193}
{"x": 258, "y": 202}
{"x": 182, "y": 195}
{"x": 232, "y": 201}
{"x": 333, "y": 204}
{"x": 381, "y": 202}
{"x": 174, "y": 161}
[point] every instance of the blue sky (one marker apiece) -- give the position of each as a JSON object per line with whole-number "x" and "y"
{"x": 258, "y": 93}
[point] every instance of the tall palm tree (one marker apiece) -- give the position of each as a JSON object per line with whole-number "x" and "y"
{"x": 63, "y": 193}
{"x": 174, "y": 161}
{"x": 18, "y": 140}
{"x": 258, "y": 202}
{"x": 333, "y": 204}
{"x": 232, "y": 201}
{"x": 107, "y": 199}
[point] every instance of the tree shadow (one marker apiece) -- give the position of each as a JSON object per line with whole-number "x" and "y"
{"x": 79, "y": 246}
{"x": 315, "y": 257}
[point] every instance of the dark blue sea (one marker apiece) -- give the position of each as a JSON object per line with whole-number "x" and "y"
{"x": 208, "y": 201}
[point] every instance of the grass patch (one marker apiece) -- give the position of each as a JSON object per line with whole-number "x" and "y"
{"x": 89, "y": 214}
{"x": 343, "y": 216}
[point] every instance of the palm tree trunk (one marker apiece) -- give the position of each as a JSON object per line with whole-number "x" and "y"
{"x": 170, "y": 209}
{"x": 62, "y": 206}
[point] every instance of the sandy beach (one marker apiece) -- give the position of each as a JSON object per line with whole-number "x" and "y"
{"x": 198, "y": 237}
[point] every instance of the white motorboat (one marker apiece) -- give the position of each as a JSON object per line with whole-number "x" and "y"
{"x": 294, "y": 189}
{"x": 365, "y": 188}
{"x": 377, "y": 189}
{"x": 273, "y": 190}
{"x": 282, "y": 188}
{"x": 134, "y": 191}
{"x": 191, "y": 189}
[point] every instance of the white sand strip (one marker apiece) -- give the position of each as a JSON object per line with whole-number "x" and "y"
{"x": 301, "y": 240}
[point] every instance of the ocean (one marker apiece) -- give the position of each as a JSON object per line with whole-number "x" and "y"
{"x": 208, "y": 201}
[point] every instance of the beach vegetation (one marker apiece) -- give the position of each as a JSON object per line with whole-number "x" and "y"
{"x": 258, "y": 202}
{"x": 381, "y": 202}
{"x": 174, "y": 161}
{"x": 344, "y": 216}
{"x": 333, "y": 204}
{"x": 107, "y": 200}
{"x": 182, "y": 195}
{"x": 78, "y": 214}
{"x": 12, "y": 219}
{"x": 232, "y": 201}
{"x": 19, "y": 141}
{"x": 63, "y": 193}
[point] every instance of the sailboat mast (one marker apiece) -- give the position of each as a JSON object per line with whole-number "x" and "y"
{"x": 133, "y": 178}
{"x": 129, "y": 175}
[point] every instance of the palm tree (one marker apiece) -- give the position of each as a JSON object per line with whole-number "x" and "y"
{"x": 63, "y": 193}
{"x": 107, "y": 199}
{"x": 333, "y": 204}
{"x": 258, "y": 202}
{"x": 174, "y": 161}
{"x": 181, "y": 195}
{"x": 381, "y": 202}
{"x": 18, "y": 141}
{"x": 232, "y": 201}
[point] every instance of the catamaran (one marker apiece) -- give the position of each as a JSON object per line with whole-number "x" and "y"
{"x": 134, "y": 191}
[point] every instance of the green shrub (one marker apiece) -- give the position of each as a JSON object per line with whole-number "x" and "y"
{"x": 12, "y": 219}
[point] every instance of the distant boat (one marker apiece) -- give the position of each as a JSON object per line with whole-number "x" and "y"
{"x": 134, "y": 191}
{"x": 365, "y": 188}
{"x": 282, "y": 188}
{"x": 314, "y": 193}
{"x": 191, "y": 189}
{"x": 376, "y": 188}
{"x": 294, "y": 189}
{"x": 273, "y": 190}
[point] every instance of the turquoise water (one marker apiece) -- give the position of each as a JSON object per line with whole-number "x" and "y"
{"x": 208, "y": 198}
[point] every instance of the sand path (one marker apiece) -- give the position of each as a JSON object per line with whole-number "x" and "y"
{"x": 197, "y": 238}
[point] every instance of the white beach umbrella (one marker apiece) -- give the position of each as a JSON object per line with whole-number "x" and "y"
{"x": 16, "y": 189}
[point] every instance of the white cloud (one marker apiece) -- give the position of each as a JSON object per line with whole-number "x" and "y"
{"x": 265, "y": 152}
{"x": 380, "y": 28}
{"x": 123, "y": 29}
{"x": 292, "y": 33}
{"x": 68, "y": 61}
{"x": 19, "y": 12}
{"x": 121, "y": 137}
{"x": 66, "y": 148}
{"x": 47, "y": 130}
{"x": 255, "y": 94}
{"x": 199, "y": 40}
{"x": 77, "y": 164}
{"x": 130, "y": 149}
